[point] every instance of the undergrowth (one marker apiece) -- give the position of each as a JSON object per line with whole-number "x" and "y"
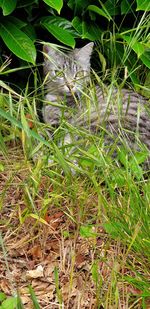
{"x": 105, "y": 201}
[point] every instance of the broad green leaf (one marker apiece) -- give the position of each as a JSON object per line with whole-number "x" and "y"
{"x": 143, "y": 5}
{"x": 91, "y": 31}
{"x": 71, "y": 4}
{"x": 16, "y": 21}
{"x": 125, "y": 6}
{"x": 18, "y": 42}
{"x": 2, "y": 296}
{"x": 8, "y": 6}
{"x": 99, "y": 11}
{"x": 118, "y": 177}
{"x": 29, "y": 30}
{"x": 86, "y": 30}
{"x": 78, "y": 6}
{"x": 139, "y": 157}
{"x": 77, "y": 24}
{"x": 60, "y": 34}
{"x": 9, "y": 303}
{"x": 112, "y": 7}
{"x": 145, "y": 57}
{"x": 55, "y": 4}
{"x": 61, "y": 22}
{"x": 138, "y": 47}
{"x": 87, "y": 231}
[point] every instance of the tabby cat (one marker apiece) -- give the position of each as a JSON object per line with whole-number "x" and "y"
{"x": 122, "y": 113}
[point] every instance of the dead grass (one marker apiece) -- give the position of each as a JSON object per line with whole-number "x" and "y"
{"x": 43, "y": 245}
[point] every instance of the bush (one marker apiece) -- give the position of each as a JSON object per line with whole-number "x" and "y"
{"x": 119, "y": 27}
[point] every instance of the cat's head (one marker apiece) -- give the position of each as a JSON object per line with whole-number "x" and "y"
{"x": 67, "y": 73}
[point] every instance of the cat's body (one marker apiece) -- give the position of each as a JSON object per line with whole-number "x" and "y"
{"x": 122, "y": 113}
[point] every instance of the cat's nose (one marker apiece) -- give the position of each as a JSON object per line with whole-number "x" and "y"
{"x": 71, "y": 86}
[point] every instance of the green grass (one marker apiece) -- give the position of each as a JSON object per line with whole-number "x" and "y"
{"x": 106, "y": 207}
{"x": 103, "y": 201}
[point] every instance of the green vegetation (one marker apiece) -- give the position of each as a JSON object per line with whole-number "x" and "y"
{"x": 87, "y": 225}
{"x": 121, "y": 26}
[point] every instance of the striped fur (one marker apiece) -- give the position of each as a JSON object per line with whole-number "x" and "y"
{"x": 119, "y": 111}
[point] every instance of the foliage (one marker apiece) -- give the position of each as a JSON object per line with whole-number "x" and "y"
{"x": 110, "y": 199}
{"x": 119, "y": 25}
{"x": 14, "y": 302}
{"x": 103, "y": 204}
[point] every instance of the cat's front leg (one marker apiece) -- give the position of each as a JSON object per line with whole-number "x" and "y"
{"x": 51, "y": 115}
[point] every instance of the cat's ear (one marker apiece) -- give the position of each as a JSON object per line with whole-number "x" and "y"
{"x": 50, "y": 51}
{"x": 83, "y": 55}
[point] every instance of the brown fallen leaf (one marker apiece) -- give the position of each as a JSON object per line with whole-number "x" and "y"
{"x": 80, "y": 260}
{"x": 54, "y": 217}
{"x": 5, "y": 286}
{"x": 36, "y": 252}
{"x": 36, "y": 273}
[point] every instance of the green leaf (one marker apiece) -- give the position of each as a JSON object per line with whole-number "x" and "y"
{"x": 138, "y": 158}
{"x": 91, "y": 31}
{"x": 8, "y": 6}
{"x": 19, "y": 302}
{"x": 112, "y": 228}
{"x": 29, "y": 30}
{"x": 2, "y": 295}
{"x": 61, "y": 23}
{"x": 57, "y": 284}
{"x": 16, "y": 21}
{"x": 18, "y": 42}
{"x": 26, "y": 3}
{"x": 78, "y": 6}
{"x": 112, "y": 7}
{"x": 87, "y": 231}
{"x": 61, "y": 34}
{"x": 62, "y": 161}
{"x": 143, "y": 5}
{"x": 125, "y": 7}
{"x": 118, "y": 177}
{"x": 95, "y": 272}
{"x": 1, "y": 170}
{"x": 138, "y": 47}
{"x": 77, "y": 24}
{"x": 9, "y": 303}
{"x": 99, "y": 11}
{"x": 86, "y": 30}
{"x": 34, "y": 298}
{"x": 55, "y": 4}
{"x": 18, "y": 124}
{"x": 145, "y": 57}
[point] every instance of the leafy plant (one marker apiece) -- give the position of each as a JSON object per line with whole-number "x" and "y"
{"x": 106, "y": 22}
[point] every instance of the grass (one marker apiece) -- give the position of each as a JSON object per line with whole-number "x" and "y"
{"x": 87, "y": 226}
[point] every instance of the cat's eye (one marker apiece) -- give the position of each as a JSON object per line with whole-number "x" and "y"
{"x": 79, "y": 74}
{"x": 59, "y": 73}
